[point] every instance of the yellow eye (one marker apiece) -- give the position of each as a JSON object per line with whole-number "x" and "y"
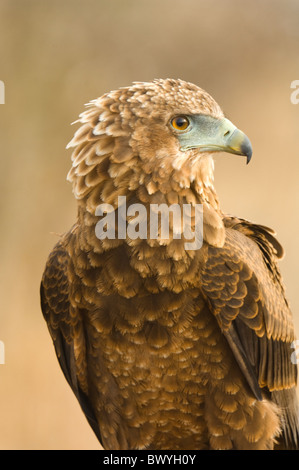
{"x": 180, "y": 123}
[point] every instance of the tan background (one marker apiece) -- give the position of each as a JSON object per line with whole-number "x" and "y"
{"x": 57, "y": 55}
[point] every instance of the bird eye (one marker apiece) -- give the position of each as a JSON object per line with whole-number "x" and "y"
{"x": 180, "y": 123}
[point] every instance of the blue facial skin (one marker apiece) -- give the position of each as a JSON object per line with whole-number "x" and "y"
{"x": 209, "y": 134}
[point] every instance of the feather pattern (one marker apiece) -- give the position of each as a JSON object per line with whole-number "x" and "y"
{"x": 168, "y": 348}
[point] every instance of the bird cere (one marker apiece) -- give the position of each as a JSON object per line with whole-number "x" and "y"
{"x": 167, "y": 347}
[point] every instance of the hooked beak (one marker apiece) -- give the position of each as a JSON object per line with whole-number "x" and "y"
{"x": 209, "y": 134}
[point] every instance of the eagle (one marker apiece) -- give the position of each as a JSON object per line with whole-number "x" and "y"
{"x": 165, "y": 344}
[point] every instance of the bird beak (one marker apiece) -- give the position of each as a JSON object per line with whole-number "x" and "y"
{"x": 208, "y": 134}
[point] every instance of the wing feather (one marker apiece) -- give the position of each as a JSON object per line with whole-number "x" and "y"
{"x": 55, "y": 305}
{"x": 253, "y": 313}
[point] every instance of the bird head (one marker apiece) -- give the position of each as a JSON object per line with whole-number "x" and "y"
{"x": 176, "y": 116}
{"x": 159, "y": 136}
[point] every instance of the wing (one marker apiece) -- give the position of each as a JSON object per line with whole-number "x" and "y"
{"x": 63, "y": 327}
{"x": 243, "y": 287}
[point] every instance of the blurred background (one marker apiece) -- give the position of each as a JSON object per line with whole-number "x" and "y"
{"x": 58, "y": 55}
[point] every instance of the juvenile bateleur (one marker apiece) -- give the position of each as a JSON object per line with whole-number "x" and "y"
{"x": 167, "y": 347}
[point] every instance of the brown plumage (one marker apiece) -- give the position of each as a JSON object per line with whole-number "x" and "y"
{"x": 164, "y": 347}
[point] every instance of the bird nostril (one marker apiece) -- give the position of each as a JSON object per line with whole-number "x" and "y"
{"x": 226, "y": 133}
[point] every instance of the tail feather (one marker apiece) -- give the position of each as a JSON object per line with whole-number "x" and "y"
{"x": 288, "y": 403}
